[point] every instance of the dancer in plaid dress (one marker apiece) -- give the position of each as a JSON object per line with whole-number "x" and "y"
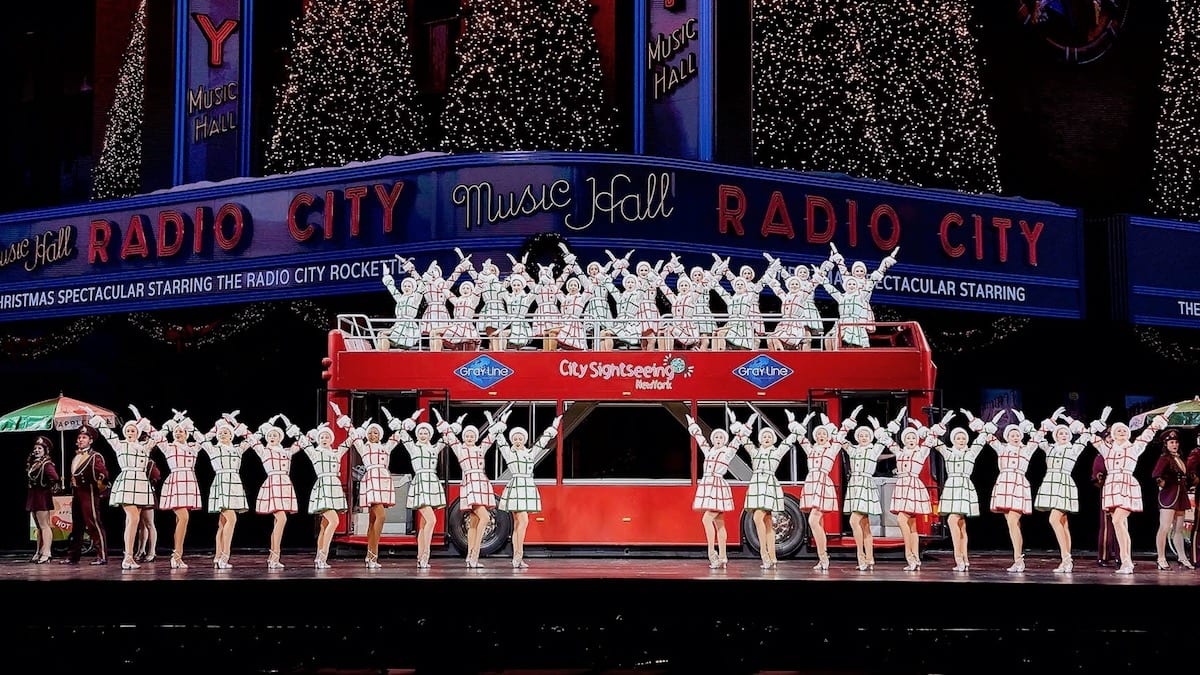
{"x": 426, "y": 491}
{"x": 866, "y": 281}
{"x": 131, "y": 490}
{"x": 1121, "y": 494}
{"x": 475, "y": 490}
{"x": 713, "y": 495}
{"x": 547, "y": 318}
{"x": 436, "y": 318}
{"x": 646, "y": 281}
{"x": 406, "y": 332}
{"x": 703, "y": 282}
{"x": 521, "y": 496}
{"x": 910, "y": 497}
{"x": 597, "y": 313}
{"x": 959, "y": 499}
{"x": 327, "y": 497}
{"x": 683, "y": 331}
{"x": 180, "y": 490}
{"x": 517, "y": 331}
{"x": 746, "y": 274}
{"x": 764, "y": 495}
{"x": 738, "y": 331}
{"x": 852, "y": 302}
{"x": 630, "y": 328}
{"x": 1058, "y": 493}
{"x": 491, "y": 293}
{"x": 819, "y": 495}
{"x": 799, "y": 320}
{"x": 1011, "y": 495}
{"x": 277, "y": 495}
{"x": 226, "y": 495}
{"x": 1170, "y": 473}
{"x": 375, "y": 488}
{"x": 862, "y": 496}
{"x": 574, "y": 334}
{"x": 463, "y": 333}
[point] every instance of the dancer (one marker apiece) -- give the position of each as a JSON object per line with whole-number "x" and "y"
{"x": 517, "y": 331}
{"x": 491, "y": 292}
{"x": 764, "y": 496}
{"x": 521, "y": 496}
{"x": 145, "y": 542}
{"x": 738, "y": 331}
{"x": 646, "y": 282}
{"x": 475, "y": 490}
{"x": 1011, "y": 495}
{"x": 1122, "y": 494}
{"x": 819, "y": 495}
{"x": 800, "y": 321}
{"x": 277, "y": 495}
{"x": 89, "y": 483}
{"x": 713, "y": 495}
{"x": 683, "y": 330}
{"x": 959, "y": 500}
{"x": 866, "y": 281}
{"x": 703, "y": 282}
{"x": 575, "y": 331}
{"x": 426, "y": 492}
{"x": 375, "y": 488}
{"x": 910, "y": 497}
{"x": 598, "y": 313}
{"x": 226, "y": 495}
{"x": 327, "y": 497}
{"x": 436, "y": 318}
{"x": 406, "y": 332}
{"x": 631, "y": 330}
{"x": 462, "y": 334}
{"x": 852, "y": 302}
{"x": 1193, "y": 470}
{"x": 862, "y": 495}
{"x": 1171, "y": 476}
{"x": 754, "y": 288}
{"x": 547, "y": 319}
{"x": 1107, "y": 552}
{"x": 180, "y": 490}
{"x": 1058, "y": 493}
{"x": 131, "y": 490}
{"x": 41, "y": 477}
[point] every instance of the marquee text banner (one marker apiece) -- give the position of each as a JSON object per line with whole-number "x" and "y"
{"x": 1159, "y": 279}
{"x": 329, "y": 232}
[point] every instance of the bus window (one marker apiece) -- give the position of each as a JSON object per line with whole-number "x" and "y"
{"x": 627, "y": 441}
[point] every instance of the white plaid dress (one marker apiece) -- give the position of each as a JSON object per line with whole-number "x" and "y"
{"x": 910, "y": 495}
{"x": 436, "y": 292}
{"x": 628, "y": 327}
{"x": 132, "y": 485}
{"x": 226, "y": 491}
{"x": 277, "y": 492}
{"x": 519, "y": 329}
{"x": 818, "y": 491}
{"x": 546, "y": 315}
{"x": 180, "y": 489}
{"x": 521, "y": 493}
{"x": 375, "y": 486}
{"x": 462, "y": 328}
{"x": 958, "y": 493}
{"x": 574, "y": 332}
{"x": 491, "y": 292}
{"x": 1058, "y": 489}
{"x": 475, "y": 489}
{"x": 684, "y": 309}
{"x": 862, "y": 496}
{"x": 406, "y": 332}
{"x": 1011, "y": 491}
{"x": 740, "y": 325}
{"x": 597, "y": 312}
{"x": 764, "y": 492}
{"x": 1121, "y": 490}
{"x": 426, "y": 488}
{"x": 852, "y": 309}
{"x": 327, "y": 493}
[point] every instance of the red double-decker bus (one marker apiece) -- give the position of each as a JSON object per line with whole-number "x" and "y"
{"x": 622, "y": 471}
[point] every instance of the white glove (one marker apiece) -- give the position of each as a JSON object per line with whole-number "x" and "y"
{"x": 881, "y": 435}
{"x": 344, "y": 422}
{"x": 938, "y": 429}
{"x": 553, "y": 430}
{"x": 440, "y": 424}
{"x": 1076, "y": 426}
{"x": 293, "y": 431}
{"x": 693, "y": 428}
{"x": 199, "y": 437}
{"x": 1026, "y": 426}
{"x": 894, "y": 425}
{"x": 976, "y": 424}
{"x": 736, "y": 429}
{"x": 456, "y": 425}
{"x": 1047, "y": 425}
{"x": 946, "y": 419}
{"x": 411, "y": 422}
{"x": 824, "y": 419}
{"x": 874, "y": 422}
{"x": 1097, "y": 427}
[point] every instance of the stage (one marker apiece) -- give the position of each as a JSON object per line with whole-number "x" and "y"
{"x": 598, "y": 615}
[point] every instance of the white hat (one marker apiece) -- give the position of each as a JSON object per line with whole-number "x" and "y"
{"x": 130, "y": 423}
{"x": 1012, "y": 427}
{"x": 470, "y": 427}
{"x": 909, "y": 430}
{"x": 959, "y": 430}
{"x": 427, "y": 426}
{"x": 713, "y": 435}
{"x": 518, "y": 430}
{"x": 377, "y": 427}
{"x": 766, "y": 430}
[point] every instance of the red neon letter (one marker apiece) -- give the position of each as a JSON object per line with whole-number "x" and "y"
{"x": 956, "y": 250}
{"x": 98, "y": 238}
{"x": 811, "y": 204}
{"x": 784, "y": 226}
{"x": 239, "y": 216}
{"x": 1031, "y": 236}
{"x": 299, "y": 233}
{"x": 877, "y": 215}
{"x": 1002, "y": 224}
{"x": 174, "y": 235}
{"x": 388, "y": 202}
{"x": 216, "y": 37}
{"x": 135, "y": 238}
{"x": 730, "y": 217}
{"x": 354, "y": 194}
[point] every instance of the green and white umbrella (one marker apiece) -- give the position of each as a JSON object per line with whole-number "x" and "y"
{"x": 1186, "y": 414}
{"x": 60, "y": 414}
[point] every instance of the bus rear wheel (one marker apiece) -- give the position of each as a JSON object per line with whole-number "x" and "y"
{"x": 495, "y": 536}
{"x": 791, "y": 530}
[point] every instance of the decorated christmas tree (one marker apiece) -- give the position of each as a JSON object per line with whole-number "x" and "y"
{"x": 934, "y": 126}
{"x": 1177, "y": 139}
{"x": 350, "y": 94}
{"x": 528, "y": 78}
{"x": 812, "y": 109}
{"x": 118, "y": 173}
{"x": 886, "y": 90}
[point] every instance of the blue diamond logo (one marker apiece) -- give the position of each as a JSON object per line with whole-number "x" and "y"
{"x": 762, "y": 371}
{"x": 483, "y": 372}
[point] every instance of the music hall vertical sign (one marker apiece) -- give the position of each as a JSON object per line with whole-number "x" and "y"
{"x": 675, "y": 64}
{"x": 212, "y": 90}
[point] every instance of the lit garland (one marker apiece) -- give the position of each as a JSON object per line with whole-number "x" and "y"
{"x": 119, "y": 171}
{"x": 198, "y": 335}
{"x": 28, "y": 348}
{"x": 1179, "y": 352}
{"x": 350, "y": 95}
{"x": 528, "y": 78}
{"x": 312, "y": 314}
{"x": 885, "y": 90}
{"x": 1177, "y": 142}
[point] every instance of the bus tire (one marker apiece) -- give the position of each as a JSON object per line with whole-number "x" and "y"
{"x": 495, "y": 537}
{"x": 791, "y": 530}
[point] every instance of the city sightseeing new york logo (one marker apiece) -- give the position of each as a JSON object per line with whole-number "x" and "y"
{"x": 762, "y": 371}
{"x": 483, "y": 372}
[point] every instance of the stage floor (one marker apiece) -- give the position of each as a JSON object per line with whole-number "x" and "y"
{"x": 571, "y": 614}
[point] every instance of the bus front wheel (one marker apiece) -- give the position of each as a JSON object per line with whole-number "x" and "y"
{"x": 495, "y": 536}
{"x": 791, "y": 530}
